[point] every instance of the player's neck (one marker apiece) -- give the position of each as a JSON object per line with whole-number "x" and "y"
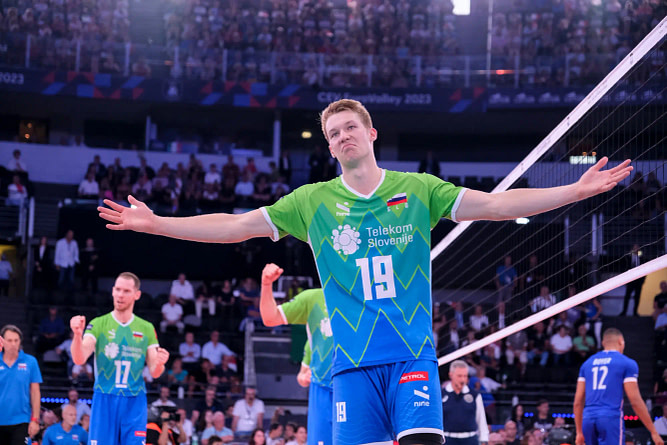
{"x": 363, "y": 178}
{"x": 123, "y": 316}
{"x": 67, "y": 428}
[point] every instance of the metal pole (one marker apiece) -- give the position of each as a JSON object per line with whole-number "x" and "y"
{"x": 418, "y": 70}
{"x": 28, "y": 44}
{"x": 77, "y": 60}
{"x": 489, "y": 40}
{"x": 128, "y": 49}
{"x": 224, "y": 64}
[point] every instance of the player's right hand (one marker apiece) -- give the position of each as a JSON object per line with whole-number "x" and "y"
{"x": 78, "y": 324}
{"x": 137, "y": 217}
{"x": 580, "y": 440}
{"x": 303, "y": 378}
{"x": 271, "y": 273}
{"x": 657, "y": 440}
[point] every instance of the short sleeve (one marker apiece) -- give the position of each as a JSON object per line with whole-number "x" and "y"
{"x": 285, "y": 216}
{"x": 582, "y": 373}
{"x": 93, "y": 328}
{"x": 444, "y": 198}
{"x": 35, "y": 373}
{"x": 296, "y": 311}
{"x": 151, "y": 335}
{"x": 47, "y": 440}
{"x": 307, "y": 354}
{"x": 237, "y": 411}
{"x": 631, "y": 373}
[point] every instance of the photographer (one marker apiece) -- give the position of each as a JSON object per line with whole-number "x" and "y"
{"x": 161, "y": 432}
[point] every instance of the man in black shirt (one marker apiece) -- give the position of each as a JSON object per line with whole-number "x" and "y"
{"x": 538, "y": 344}
{"x": 510, "y": 433}
{"x": 660, "y": 300}
{"x": 542, "y": 421}
{"x": 210, "y": 403}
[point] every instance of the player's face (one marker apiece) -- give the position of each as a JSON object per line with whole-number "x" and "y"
{"x": 349, "y": 140}
{"x": 69, "y": 415}
{"x": 12, "y": 343}
{"x": 124, "y": 294}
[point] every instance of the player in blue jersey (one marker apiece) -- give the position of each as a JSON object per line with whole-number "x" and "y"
{"x": 598, "y": 402}
{"x": 370, "y": 232}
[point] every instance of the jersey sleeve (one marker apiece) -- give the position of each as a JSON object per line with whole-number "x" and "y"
{"x": 151, "y": 335}
{"x": 35, "y": 373}
{"x": 631, "y": 372}
{"x": 307, "y": 354}
{"x": 582, "y": 373}
{"x": 444, "y": 199}
{"x": 285, "y": 216}
{"x": 93, "y": 328}
{"x": 296, "y": 311}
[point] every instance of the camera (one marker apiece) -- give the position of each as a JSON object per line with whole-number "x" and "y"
{"x": 172, "y": 414}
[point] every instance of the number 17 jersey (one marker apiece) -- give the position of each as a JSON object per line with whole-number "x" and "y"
{"x": 373, "y": 258}
{"x": 604, "y": 374}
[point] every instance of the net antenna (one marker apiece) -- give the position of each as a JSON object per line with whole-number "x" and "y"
{"x": 653, "y": 42}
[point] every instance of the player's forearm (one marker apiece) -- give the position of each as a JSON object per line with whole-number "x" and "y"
{"x": 268, "y": 308}
{"x": 518, "y": 203}
{"x": 639, "y": 407}
{"x": 213, "y": 228}
{"x": 35, "y": 400}
{"x": 578, "y": 416}
{"x": 156, "y": 370}
{"x": 78, "y": 356}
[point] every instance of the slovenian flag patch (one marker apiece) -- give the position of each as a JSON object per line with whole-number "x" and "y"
{"x": 400, "y": 198}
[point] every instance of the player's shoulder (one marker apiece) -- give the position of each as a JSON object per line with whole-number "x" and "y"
{"x": 309, "y": 295}
{"x": 320, "y": 187}
{"x": 28, "y": 359}
{"x": 140, "y": 323}
{"x": 101, "y": 320}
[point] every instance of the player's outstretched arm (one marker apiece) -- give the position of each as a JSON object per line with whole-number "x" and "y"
{"x": 579, "y": 401}
{"x": 214, "y": 228}
{"x": 639, "y": 407}
{"x": 517, "y": 203}
{"x": 82, "y": 347}
{"x": 268, "y": 308}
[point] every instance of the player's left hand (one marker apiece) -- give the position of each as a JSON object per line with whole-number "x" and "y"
{"x": 33, "y": 428}
{"x": 162, "y": 356}
{"x": 596, "y": 180}
{"x": 657, "y": 440}
{"x": 580, "y": 440}
{"x": 303, "y": 378}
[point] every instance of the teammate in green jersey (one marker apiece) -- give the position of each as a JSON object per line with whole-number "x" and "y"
{"x": 375, "y": 287}
{"x": 123, "y": 344}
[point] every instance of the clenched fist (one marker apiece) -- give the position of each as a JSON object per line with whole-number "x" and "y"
{"x": 78, "y": 324}
{"x": 271, "y": 273}
{"x": 162, "y": 356}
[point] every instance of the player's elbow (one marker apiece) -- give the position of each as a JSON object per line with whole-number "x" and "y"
{"x": 271, "y": 322}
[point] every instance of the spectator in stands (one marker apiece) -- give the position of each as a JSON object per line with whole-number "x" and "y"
{"x": 583, "y": 344}
{"x": 141, "y": 68}
{"x": 184, "y": 292}
{"x": 478, "y": 320}
{"x": 593, "y": 314}
{"x": 262, "y": 193}
{"x": 163, "y": 400}
{"x": 213, "y": 175}
{"x": 218, "y": 429}
{"x": 6, "y": 274}
{"x": 317, "y": 162}
{"x": 214, "y": 350}
{"x": 518, "y": 419}
{"x": 210, "y": 403}
{"x": 172, "y": 312}
{"x": 660, "y": 300}
{"x": 660, "y": 387}
{"x": 500, "y": 319}
{"x": 544, "y": 300}
{"x": 250, "y": 168}
{"x": 633, "y": 288}
{"x": 205, "y": 298}
{"x": 20, "y": 398}
{"x": 429, "y": 165}
{"x": 89, "y": 188}
{"x": 300, "y": 438}
{"x": 538, "y": 345}
{"x": 97, "y": 168}
{"x": 511, "y": 433}
{"x": 275, "y": 435}
{"x": 543, "y": 421}
{"x": 661, "y": 422}
{"x": 231, "y": 169}
{"x": 516, "y": 346}
{"x": 177, "y": 376}
{"x": 187, "y": 427}
{"x": 257, "y": 437}
{"x": 661, "y": 322}
{"x": 16, "y": 192}
{"x": 228, "y": 193}
{"x": 248, "y": 413}
{"x": 143, "y": 189}
{"x": 66, "y": 431}
{"x": 561, "y": 345}
{"x": 89, "y": 270}
{"x": 67, "y": 257}
{"x": 458, "y": 314}
{"x": 290, "y": 431}
{"x": 506, "y": 279}
{"x": 244, "y": 189}
{"x": 43, "y": 264}
{"x": 85, "y": 422}
{"x": 534, "y": 275}
{"x": 80, "y": 406}
{"x": 51, "y": 331}
{"x": 285, "y": 166}
{"x": 16, "y": 164}
{"x": 190, "y": 351}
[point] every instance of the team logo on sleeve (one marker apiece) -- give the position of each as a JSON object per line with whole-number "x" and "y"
{"x": 111, "y": 350}
{"x": 400, "y": 198}
{"x": 346, "y": 239}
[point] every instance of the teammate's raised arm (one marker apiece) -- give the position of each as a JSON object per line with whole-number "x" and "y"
{"x": 512, "y": 204}
{"x": 82, "y": 347}
{"x": 267, "y": 304}
{"x": 213, "y": 228}
{"x": 639, "y": 407}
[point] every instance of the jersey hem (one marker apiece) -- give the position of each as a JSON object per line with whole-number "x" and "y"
{"x": 420, "y": 431}
{"x": 342, "y": 368}
{"x": 276, "y": 235}
{"x": 629, "y": 379}
{"x": 88, "y": 334}
{"x": 455, "y": 207}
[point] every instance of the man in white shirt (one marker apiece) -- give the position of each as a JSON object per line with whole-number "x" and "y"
{"x": 245, "y": 187}
{"x": 248, "y": 413}
{"x": 661, "y": 423}
{"x": 561, "y": 344}
{"x": 542, "y": 301}
{"x": 184, "y": 292}
{"x": 16, "y": 192}
{"x": 214, "y": 350}
{"x": 172, "y": 312}
{"x": 212, "y": 175}
{"x": 67, "y": 257}
{"x": 81, "y": 406}
{"x": 163, "y": 400}
{"x": 478, "y": 321}
{"x": 16, "y": 164}
{"x": 89, "y": 188}
{"x": 190, "y": 351}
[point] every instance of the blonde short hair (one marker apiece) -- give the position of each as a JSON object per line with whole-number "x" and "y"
{"x": 131, "y": 276}
{"x": 345, "y": 105}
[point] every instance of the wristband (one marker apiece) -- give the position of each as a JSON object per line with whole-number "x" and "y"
{"x": 34, "y": 419}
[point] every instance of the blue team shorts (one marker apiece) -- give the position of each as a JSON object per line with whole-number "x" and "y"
{"x": 118, "y": 420}
{"x": 320, "y": 402}
{"x": 603, "y": 430}
{"x": 382, "y": 403}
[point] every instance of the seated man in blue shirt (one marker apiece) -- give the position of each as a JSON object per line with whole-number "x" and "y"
{"x": 66, "y": 432}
